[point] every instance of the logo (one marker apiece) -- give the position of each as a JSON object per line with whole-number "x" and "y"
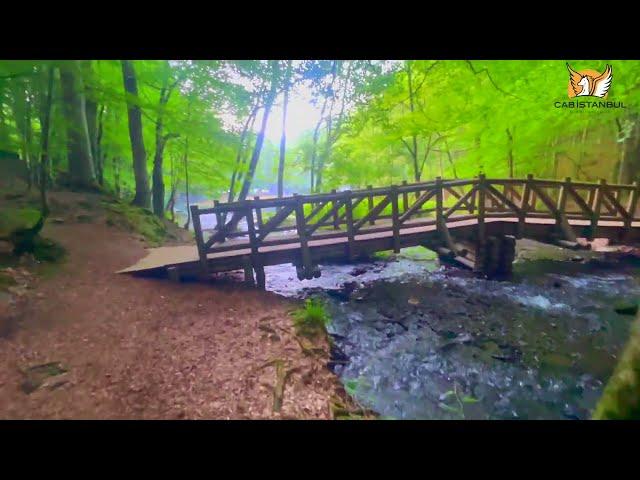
{"x": 589, "y": 83}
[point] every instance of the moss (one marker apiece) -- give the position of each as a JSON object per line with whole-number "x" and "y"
{"x": 136, "y": 220}
{"x": 621, "y": 397}
{"x": 17, "y": 219}
{"x": 312, "y": 319}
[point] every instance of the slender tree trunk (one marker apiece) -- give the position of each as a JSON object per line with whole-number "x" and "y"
{"x": 283, "y": 138}
{"x": 450, "y": 158}
{"x": 414, "y": 137}
{"x": 161, "y": 140}
{"x": 186, "y": 182}
{"x": 316, "y": 131}
{"x": 240, "y": 157}
{"x": 91, "y": 108}
{"x": 99, "y": 149}
{"x": 116, "y": 176}
{"x": 81, "y": 170}
{"x": 142, "y": 197}
{"x": 510, "y": 152}
{"x": 44, "y": 153}
{"x": 246, "y": 185}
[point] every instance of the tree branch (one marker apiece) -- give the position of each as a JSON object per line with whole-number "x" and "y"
{"x": 486, "y": 70}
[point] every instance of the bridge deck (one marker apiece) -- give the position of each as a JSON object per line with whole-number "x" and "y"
{"x": 186, "y": 256}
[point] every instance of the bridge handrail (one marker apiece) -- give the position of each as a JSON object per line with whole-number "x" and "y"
{"x": 422, "y": 203}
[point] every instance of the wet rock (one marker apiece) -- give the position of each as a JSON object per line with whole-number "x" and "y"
{"x": 626, "y": 308}
{"x": 577, "y": 258}
{"x": 358, "y": 271}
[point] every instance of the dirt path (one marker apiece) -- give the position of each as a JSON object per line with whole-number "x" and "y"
{"x": 148, "y": 348}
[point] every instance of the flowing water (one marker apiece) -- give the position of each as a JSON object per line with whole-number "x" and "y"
{"x": 415, "y": 340}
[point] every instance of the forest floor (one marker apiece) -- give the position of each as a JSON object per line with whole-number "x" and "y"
{"x": 79, "y": 341}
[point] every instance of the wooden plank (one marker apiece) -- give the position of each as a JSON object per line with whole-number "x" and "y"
{"x": 461, "y": 200}
{"x": 596, "y": 207}
{"x": 561, "y": 220}
{"x": 395, "y": 218}
{"x": 373, "y": 213}
{"x": 416, "y": 206}
{"x": 259, "y": 215}
{"x": 482, "y": 231}
{"x": 492, "y": 191}
{"x": 405, "y": 197}
{"x": 370, "y": 200}
{"x": 302, "y": 237}
{"x": 275, "y": 220}
{"x": 351, "y": 244}
{"x": 197, "y": 228}
{"x": 334, "y": 209}
{"x": 632, "y": 206}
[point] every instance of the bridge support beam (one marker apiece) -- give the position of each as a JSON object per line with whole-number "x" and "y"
{"x": 495, "y": 257}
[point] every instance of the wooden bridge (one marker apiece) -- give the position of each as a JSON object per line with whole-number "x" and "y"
{"x": 472, "y": 223}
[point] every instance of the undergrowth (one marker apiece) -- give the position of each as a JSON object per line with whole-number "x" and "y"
{"x": 311, "y": 320}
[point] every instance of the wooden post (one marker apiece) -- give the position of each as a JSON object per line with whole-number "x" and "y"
{"x": 248, "y": 270}
{"x": 405, "y": 198}
{"x": 472, "y": 200}
{"x": 562, "y": 195}
{"x": 482, "y": 237}
{"x": 524, "y": 205}
{"x": 336, "y": 208}
{"x": 351, "y": 245}
{"x": 596, "y": 206}
{"x": 395, "y": 215}
{"x": 197, "y": 228}
{"x": 259, "y": 215}
{"x": 255, "y": 254}
{"x": 219, "y": 220}
{"x": 304, "y": 243}
{"x": 631, "y": 206}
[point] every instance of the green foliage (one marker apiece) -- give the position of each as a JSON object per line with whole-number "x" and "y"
{"x": 459, "y": 401}
{"x": 312, "y": 319}
{"x": 136, "y": 220}
{"x": 621, "y": 397}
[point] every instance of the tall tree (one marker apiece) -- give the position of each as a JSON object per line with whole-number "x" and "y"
{"x": 283, "y": 137}
{"x": 81, "y": 171}
{"x": 161, "y": 141}
{"x": 142, "y": 197}
{"x": 44, "y": 151}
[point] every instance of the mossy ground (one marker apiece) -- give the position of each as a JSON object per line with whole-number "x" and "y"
{"x": 135, "y": 219}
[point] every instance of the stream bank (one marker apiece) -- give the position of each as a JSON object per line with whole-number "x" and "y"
{"x": 414, "y": 340}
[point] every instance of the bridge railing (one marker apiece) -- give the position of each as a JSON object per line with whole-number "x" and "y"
{"x": 305, "y": 219}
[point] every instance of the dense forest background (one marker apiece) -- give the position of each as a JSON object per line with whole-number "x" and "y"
{"x": 166, "y": 133}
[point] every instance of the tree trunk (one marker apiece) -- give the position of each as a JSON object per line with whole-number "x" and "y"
{"x": 283, "y": 138}
{"x": 414, "y": 137}
{"x": 246, "y": 185}
{"x": 81, "y": 170}
{"x": 142, "y": 198}
{"x": 186, "y": 181}
{"x": 235, "y": 218}
{"x": 510, "y": 152}
{"x": 248, "y": 126}
{"x": 100, "y": 156}
{"x": 116, "y": 176}
{"x": 91, "y": 108}
{"x": 44, "y": 154}
{"x": 316, "y": 131}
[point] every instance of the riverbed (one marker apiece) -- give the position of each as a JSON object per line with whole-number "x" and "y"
{"x": 417, "y": 340}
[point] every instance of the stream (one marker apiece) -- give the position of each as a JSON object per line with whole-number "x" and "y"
{"x": 416, "y": 340}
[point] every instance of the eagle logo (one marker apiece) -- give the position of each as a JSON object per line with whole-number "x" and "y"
{"x": 589, "y": 83}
